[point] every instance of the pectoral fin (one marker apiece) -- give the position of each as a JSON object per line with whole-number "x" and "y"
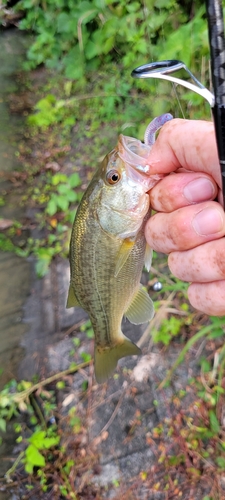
{"x": 123, "y": 254}
{"x": 106, "y": 358}
{"x": 141, "y": 308}
{"x": 71, "y": 299}
{"x": 148, "y": 257}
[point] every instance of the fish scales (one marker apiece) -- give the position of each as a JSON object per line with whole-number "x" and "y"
{"x": 93, "y": 273}
{"x": 108, "y": 249}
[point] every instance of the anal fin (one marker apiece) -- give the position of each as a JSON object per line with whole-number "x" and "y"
{"x": 141, "y": 308}
{"x": 71, "y": 299}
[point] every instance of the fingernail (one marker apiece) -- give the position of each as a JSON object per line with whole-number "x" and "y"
{"x": 198, "y": 190}
{"x": 208, "y": 221}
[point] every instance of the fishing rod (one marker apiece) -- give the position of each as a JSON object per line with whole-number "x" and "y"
{"x": 217, "y": 52}
{"x": 164, "y": 70}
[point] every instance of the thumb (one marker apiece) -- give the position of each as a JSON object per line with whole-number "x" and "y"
{"x": 189, "y": 144}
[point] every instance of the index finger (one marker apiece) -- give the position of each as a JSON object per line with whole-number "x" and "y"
{"x": 190, "y": 144}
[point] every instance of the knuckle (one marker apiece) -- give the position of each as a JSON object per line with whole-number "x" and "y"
{"x": 159, "y": 198}
{"x": 218, "y": 257}
{"x": 156, "y": 233}
{"x": 200, "y": 296}
{"x": 178, "y": 230}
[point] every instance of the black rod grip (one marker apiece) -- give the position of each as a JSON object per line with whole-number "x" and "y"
{"x": 217, "y": 48}
{"x": 219, "y": 122}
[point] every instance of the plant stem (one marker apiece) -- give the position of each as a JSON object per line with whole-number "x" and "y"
{"x": 205, "y": 331}
{"x": 20, "y": 396}
{"x": 13, "y": 468}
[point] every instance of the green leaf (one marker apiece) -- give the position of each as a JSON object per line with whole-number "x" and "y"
{"x": 76, "y": 341}
{"x": 51, "y": 208}
{"x": 34, "y": 457}
{"x": 74, "y": 180}
{"x": 221, "y": 462}
{"x": 2, "y": 425}
{"x": 42, "y": 266}
{"x": 57, "y": 178}
{"x": 85, "y": 356}
{"x": 214, "y": 424}
{"x": 29, "y": 467}
{"x": 219, "y": 389}
{"x": 49, "y": 442}
{"x": 72, "y": 196}
{"x": 38, "y": 438}
{"x": 217, "y": 332}
{"x": 63, "y": 188}
{"x": 62, "y": 203}
{"x": 205, "y": 365}
{"x": 90, "y": 333}
{"x": 108, "y": 45}
{"x": 92, "y": 49}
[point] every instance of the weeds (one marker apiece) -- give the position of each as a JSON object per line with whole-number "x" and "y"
{"x": 80, "y": 118}
{"x": 45, "y": 454}
{"x": 79, "y": 38}
{"x": 212, "y": 331}
{"x": 56, "y": 455}
{"x": 188, "y": 443}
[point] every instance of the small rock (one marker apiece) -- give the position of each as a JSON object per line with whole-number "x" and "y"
{"x": 52, "y": 165}
{"x": 5, "y": 224}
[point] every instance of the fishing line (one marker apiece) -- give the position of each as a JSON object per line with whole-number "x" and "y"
{"x": 164, "y": 70}
{"x": 173, "y": 88}
{"x": 162, "y": 38}
{"x": 178, "y": 99}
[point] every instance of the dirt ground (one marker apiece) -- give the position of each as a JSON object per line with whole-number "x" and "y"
{"x": 128, "y": 420}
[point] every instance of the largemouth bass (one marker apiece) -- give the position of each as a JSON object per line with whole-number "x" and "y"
{"x": 108, "y": 248}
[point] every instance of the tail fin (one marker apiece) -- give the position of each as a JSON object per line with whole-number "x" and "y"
{"x": 106, "y": 357}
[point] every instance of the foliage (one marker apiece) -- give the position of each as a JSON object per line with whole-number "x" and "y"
{"x": 78, "y": 37}
{"x": 50, "y": 111}
{"x": 38, "y": 442}
{"x": 190, "y": 438}
{"x": 212, "y": 331}
{"x": 169, "y": 328}
{"x": 199, "y": 439}
{"x": 87, "y": 328}
{"x": 56, "y": 196}
{"x": 196, "y": 430}
{"x": 43, "y": 455}
{"x": 96, "y": 44}
{"x": 64, "y": 194}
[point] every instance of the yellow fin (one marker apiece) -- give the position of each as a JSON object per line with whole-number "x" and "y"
{"x": 123, "y": 254}
{"x": 106, "y": 358}
{"x": 148, "y": 257}
{"x": 71, "y": 299}
{"x": 141, "y": 308}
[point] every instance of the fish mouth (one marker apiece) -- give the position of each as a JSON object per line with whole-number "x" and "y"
{"x": 135, "y": 154}
{"x": 138, "y": 175}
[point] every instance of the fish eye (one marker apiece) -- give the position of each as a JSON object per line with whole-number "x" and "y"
{"x": 113, "y": 176}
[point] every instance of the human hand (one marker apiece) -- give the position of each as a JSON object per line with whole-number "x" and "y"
{"x": 189, "y": 225}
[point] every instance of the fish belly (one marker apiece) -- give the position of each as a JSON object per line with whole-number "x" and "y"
{"x": 102, "y": 293}
{"x": 104, "y": 296}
